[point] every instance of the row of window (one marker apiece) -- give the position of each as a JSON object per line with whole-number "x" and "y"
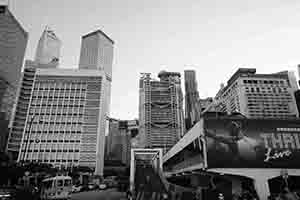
{"x": 80, "y": 113}
{"x": 58, "y": 160}
{"x": 276, "y": 82}
{"x": 52, "y": 150}
{"x": 54, "y": 141}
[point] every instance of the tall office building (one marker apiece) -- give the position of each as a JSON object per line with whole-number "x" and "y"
{"x": 160, "y": 110}
{"x": 60, "y": 117}
{"x": 13, "y": 41}
{"x": 119, "y": 139}
{"x": 259, "y": 95}
{"x": 97, "y": 54}
{"x": 192, "y": 105}
{"x": 48, "y": 49}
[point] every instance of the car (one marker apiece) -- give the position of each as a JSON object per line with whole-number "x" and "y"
{"x": 102, "y": 186}
{"x": 7, "y": 193}
{"x": 76, "y": 188}
{"x": 92, "y": 186}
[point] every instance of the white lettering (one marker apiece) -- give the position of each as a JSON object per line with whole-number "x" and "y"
{"x": 265, "y": 137}
{"x": 275, "y": 155}
{"x": 277, "y": 141}
{"x": 288, "y": 141}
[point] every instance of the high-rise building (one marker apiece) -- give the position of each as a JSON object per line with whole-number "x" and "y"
{"x": 48, "y": 49}
{"x": 60, "y": 117}
{"x": 192, "y": 105}
{"x": 97, "y": 54}
{"x": 119, "y": 139}
{"x": 13, "y": 41}
{"x": 259, "y": 95}
{"x": 161, "y": 119}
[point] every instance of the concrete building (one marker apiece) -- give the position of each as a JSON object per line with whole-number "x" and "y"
{"x": 161, "y": 115}
{"x": 48, "y": 49}
{"x": 97, "y": 54}
{"x": 119, "y": 139}
{"x": 259, "y": 95}
{"x": 60, "y": 117}
{"x": 192, "y": 105}
{"x": 13, "y": 41}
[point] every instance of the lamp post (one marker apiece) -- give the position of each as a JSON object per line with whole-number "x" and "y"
{"x": 27, "y": 139}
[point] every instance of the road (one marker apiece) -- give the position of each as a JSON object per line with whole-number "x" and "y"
{"x": 109, "y": 194}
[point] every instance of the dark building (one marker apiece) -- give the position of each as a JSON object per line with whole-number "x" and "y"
{"x": 297, "y": 97}
{"x": 3, "y": 131}
{"x": 13, "y": 41}
{"x": 192, "y": 104}
{"x": 118, "y": 141}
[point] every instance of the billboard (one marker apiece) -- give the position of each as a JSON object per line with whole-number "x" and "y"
{"x": 252, "y": 143}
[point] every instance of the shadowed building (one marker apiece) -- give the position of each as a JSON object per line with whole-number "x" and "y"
{"x": 192, "y": 105}
{"x": 13, "y": 41}
{"x": 119, "y": 139}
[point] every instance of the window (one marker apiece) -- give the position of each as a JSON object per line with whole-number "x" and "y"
{"x": 60, "y": 183}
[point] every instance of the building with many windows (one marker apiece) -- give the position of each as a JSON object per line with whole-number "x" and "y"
{"x": 60, "y": 117}
{"x": 13, "y": 42}
{"x": 161, "y": 118}
{"x": 259, "y": 95}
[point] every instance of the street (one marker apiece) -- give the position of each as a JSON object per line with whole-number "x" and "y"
{"x": 109, "y": 194}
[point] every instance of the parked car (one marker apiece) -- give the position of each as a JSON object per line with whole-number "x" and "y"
{"x": 76, "y": 188}
{"x": 7, "y": 193}
{"x": 92, "y": 186}
{"x": 102, "y": 186}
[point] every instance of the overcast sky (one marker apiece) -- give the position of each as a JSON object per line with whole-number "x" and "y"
{"x": 214, "y": 37}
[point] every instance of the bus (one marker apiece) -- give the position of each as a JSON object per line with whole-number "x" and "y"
{"x": 58, "y": 187}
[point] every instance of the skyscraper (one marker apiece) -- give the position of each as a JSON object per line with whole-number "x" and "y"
{"x": 192, "y": 104}
{"x": 259, "y": 95}
{"x": 48, "y": 49}
{"x": 60, "y": 117}
{"x": 161, "y": 120}
{"x": 13, "y": 41}
{"x": 97, "y": 54}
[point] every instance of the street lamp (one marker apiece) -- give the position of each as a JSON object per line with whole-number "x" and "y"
{"x": 27, "y": 139}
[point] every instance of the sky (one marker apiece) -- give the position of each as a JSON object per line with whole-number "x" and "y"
{"x": 213, "y": 37}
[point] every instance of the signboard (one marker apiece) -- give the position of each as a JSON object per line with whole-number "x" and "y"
{"x": 252, "y": 143}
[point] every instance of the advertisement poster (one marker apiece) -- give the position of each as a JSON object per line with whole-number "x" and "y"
{"x": 252, "y": 143}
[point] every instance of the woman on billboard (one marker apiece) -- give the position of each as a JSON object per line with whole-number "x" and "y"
{"x": 241, "y": 146}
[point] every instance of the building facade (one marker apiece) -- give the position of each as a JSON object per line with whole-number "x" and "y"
{"x": 97, "y": 54}
{"x": 259, "y": 95}
{"x": 13, "y": 41}
{"x": 48, "y": 49}
{"x": 161, "y": 118}
{"x": 60, "y": 117}
{"x": 192, "y": 105}
{"x": 119, "y": 139}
